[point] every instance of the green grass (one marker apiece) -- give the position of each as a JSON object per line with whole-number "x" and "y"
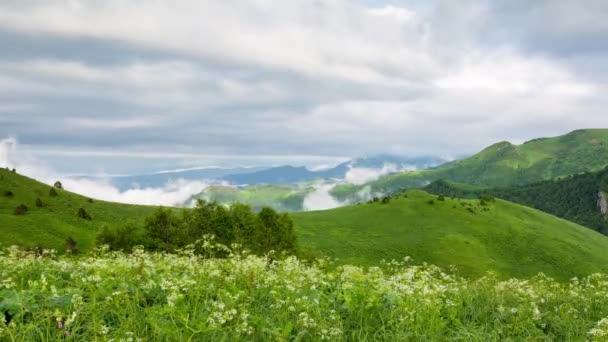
{"x": 58, "y": 219}
{"x": 170, "y": 297}
{"x": 513, "y": 240}
{"x": 279, "y": 197}
{"x": 505, "y": 164}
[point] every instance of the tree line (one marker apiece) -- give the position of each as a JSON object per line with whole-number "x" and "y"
{"x": 170, "y": 229}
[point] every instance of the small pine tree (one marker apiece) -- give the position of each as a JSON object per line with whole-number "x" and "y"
{"x": 53, "y": 192}
{"x": 82, "y": 213}
{"x": 39, "y": 203}
{"x": 70, "y": 246}
{"x": 441, "y": 198}
{"x": 21, "y": 209}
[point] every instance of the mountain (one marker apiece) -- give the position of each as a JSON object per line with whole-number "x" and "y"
{"x": 50, "y": 225}
{"x": 157, "y": 180}
{"x": 504, "y": 237}
{"x": 505, "y": 164}
{"x": 290, "y": 174}
{"x": 579, "y": 198}
{"x": 287, "y": 174}
{"x": 282, "y": 197}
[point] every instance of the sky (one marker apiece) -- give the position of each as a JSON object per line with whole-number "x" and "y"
{"x": 128, "y": 86}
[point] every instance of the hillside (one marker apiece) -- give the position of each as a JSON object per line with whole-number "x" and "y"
{"x": 505, "y": 164}
{"x": 50, "y": 225}
{"x": 505, "y": 237}
{"x": 574, "y": 198}
{"x": 279, "y": 197}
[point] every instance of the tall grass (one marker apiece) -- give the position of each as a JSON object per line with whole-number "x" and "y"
{"x": 111, "y": 296}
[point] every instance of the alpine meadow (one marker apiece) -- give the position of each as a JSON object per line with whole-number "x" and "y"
{"x": 327, "y": 170}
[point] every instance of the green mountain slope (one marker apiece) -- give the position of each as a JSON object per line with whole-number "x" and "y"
{"x": 505, "y": 237}
{"x": 278, "y": 196}
{"x": 505, "y": 164}
{"x": 50, "y": 225}
{"x": 575, "y": 198}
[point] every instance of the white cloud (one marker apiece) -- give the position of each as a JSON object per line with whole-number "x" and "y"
{"x": 362, "y": 175}
{"x": 174, "y": 193}
{"x": 321, "y": 199}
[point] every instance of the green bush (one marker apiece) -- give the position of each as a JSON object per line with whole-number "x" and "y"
{"x": 39, "y": 203}
{"x": 21, "y": 209}
{"x": 83, "y": 214}
{"x": 53, "y": 192}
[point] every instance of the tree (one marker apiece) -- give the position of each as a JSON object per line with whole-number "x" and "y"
{"x": 58, "y": 185}
{"x": 39, "y": 203}
{"x": 8, "y": 193}
{"x": 21, "y": 209}
{"x": 124, "y": 237}
{"x": 161, "y": 229}
{"x": 82, "y": 213}
{"x": 276, "y": 231}
{"x": 70, "y": 246}
{"x": 53, "y": 192}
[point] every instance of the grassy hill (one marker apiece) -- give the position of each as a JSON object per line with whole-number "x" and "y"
{"x": 277, "y": 196}
{"x": 574, "y": 198}
{"x": 505, "y": 237}
{"x": 57, "y": 220}
{"x": 505, "y": 164}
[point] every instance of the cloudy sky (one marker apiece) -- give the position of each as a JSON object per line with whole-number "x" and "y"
{"x": 123, "y": 86}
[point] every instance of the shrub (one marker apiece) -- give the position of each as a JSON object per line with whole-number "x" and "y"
{"x": 58, "y": 185}
{"x": 21, "y": 209}
{"x": 487, "y": 198}
{"x": 39, "y": 203}
{"x": 53, "y": 192}
{"x": 441, "y": 198}
{"x": 82, "y": 213}
{"x": 90, "y": 200}
{"x": 8, "y": 193}
{"x": 70, "y": 246}
{"x": 431, "y": 202}
{"x": 386, "y": 200}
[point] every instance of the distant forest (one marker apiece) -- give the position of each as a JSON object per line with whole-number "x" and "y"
{"x": 574, "y": 198}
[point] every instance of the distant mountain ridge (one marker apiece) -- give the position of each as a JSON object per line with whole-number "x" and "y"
{"x": 505, "y": 164}
{"x": 291, "y": 174}
{"x": 284, "y": 174}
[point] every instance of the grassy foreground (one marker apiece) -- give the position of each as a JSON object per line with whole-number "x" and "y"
{"x": 183, "y": 297}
